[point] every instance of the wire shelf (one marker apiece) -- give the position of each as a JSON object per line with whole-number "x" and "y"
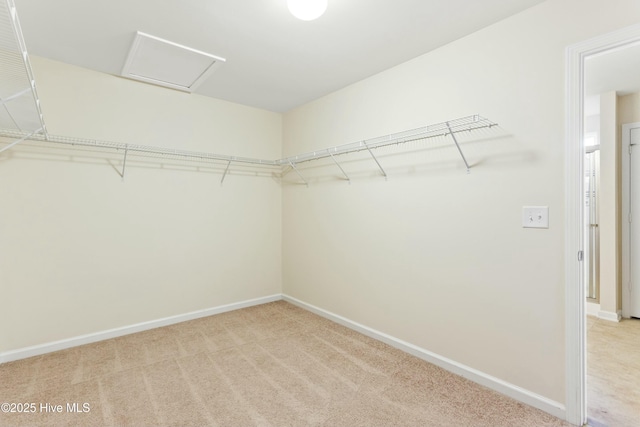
{"x": 21, "y": 118}
{"x": 19, "y": 102}
{"x": 464, "y": 124}
{"x": 136, "y": 148}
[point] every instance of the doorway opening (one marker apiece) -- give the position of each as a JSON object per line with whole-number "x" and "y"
{"x": 578, "y": 259}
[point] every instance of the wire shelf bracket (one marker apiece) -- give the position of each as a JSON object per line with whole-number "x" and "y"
{"x": 455, "y": 140}
{"x": 338, "y": 164}
{"x": 375, "y": 159}
{"x": 299, "y": 174}
{"x": 226, "y": 170}
{"x": 124, "y": 161}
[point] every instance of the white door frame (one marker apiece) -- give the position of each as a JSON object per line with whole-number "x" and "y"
{"x": 575, "y": 330}
{"x": 626, "y": 198}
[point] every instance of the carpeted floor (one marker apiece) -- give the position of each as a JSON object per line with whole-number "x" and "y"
{"x": 270, "y": 365}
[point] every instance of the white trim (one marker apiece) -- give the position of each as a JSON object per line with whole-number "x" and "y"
{"x": 37, "y": 350}
{"x": 626, "y": 199}
{"x": 506, "y": 388}
{"x": 575, "y": 328}
{"x": 525, "y": 396}
{"x": 575, "y": 331}
{"x": 593, "y": 308}
{"x": 610, "y": 316}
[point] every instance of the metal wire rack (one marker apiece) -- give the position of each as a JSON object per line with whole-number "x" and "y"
{"x": 20, "y": 105}
{"x": 443, "y": 129}
{"x": 451, "y": 127}
{"x": 21, "y": 118}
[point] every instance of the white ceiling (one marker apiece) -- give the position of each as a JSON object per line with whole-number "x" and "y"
{"x": 617, "y": 70}
{"x": 274, "y": 61}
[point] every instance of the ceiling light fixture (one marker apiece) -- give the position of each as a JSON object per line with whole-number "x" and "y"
{"x": 307, "y": 10}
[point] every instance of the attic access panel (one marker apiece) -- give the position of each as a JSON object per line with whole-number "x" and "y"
{"x": 164, "y": 63}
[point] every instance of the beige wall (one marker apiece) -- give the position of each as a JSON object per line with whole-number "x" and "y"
{"x": 82, "y": 251}
{"x": 628, "y": 112}
{"x": 615, "y": 111}
{"x": 628, "y": 108}
{"x": 434, "y": 256}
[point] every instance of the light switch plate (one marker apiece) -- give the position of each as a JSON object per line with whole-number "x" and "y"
{"x": 535, "y": 216}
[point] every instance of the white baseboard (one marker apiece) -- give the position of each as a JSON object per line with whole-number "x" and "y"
{"x": 518, "y": 393}
{"x": 593, "y": 309}
{"x": 37, "y": 350}
{"x": 525, "y": 396}
{"x": 611, "y": 316}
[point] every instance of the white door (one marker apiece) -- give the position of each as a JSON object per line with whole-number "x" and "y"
{"x": 631, "y": 156}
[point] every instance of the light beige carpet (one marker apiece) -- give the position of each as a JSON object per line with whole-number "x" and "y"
{"x": 270, "y": 365}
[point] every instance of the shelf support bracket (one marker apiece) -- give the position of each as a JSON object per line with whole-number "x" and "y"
{"x": 338, "y": 164}
{"x": 375, "y": 159}
{"x": 124, "y": 160}
{"x": 225, "y": 172}
{"x": 298, "y": 172}
{"x": 16, "y": 142}
{"x": 286, "y": 170}
{"x": 455, "y": 140}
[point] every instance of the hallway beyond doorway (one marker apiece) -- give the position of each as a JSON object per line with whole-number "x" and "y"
{"x": 613, "y": 374}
